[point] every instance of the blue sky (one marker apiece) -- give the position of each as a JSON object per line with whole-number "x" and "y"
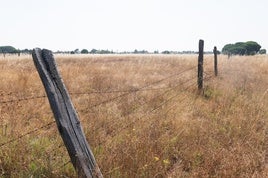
{"x": 125, "y": 25}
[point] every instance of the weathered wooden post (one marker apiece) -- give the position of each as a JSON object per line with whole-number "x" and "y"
{"x": 65, "y": 115}
{"x": 215, "y": 61}
{"x": 200, "y": 65}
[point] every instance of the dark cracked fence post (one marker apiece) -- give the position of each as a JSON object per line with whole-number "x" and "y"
{"x": 215, "y": 61}
{"x": 65, "y": 115}
{"x": 200, "y": 65}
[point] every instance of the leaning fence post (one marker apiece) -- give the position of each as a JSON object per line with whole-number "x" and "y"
{"x": 65, "y": 115}
{"x": 215, "y": 61}
{"x": 200, "y": 65}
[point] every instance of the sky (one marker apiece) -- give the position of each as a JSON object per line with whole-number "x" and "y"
{"x": 126, "y": 25}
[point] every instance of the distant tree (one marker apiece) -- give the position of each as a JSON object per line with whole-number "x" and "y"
{"x": 144, "y": 52}
{"x": 156, "y": 52}
{"x": 26, "y": 51}
{"x": 140, "y": 52}
{"x": 166, "y": 52}
{"x": 262, "y": 51}
{"x": 105, "y": 52}
{"x": 241, "y": 48}
{"x": 252, "y": 47}
{"x": 227, "y": 48}
{"x": 8, "y": 49}
{"x": 84, "y": 51}
{"x": 76, "y": 51}
{"x": 93, "y": 51}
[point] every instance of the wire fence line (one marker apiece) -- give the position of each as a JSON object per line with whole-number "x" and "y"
{"x": 148, "y": 87}
{"x": 22, "y": 99}
{"x": 81, "y": 93}
{"x": 182, "y": 99}
{"x": 142, "y": 88}
{"x": 27, "y": 133}
{"x": 147, "y": 113}
{"x": 113, "y": 134}
{"x": 154, "y": 109}
{"x": 151, "y": 99}
{"x": 126, "y": 92}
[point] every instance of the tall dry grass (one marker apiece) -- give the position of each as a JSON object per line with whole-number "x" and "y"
{"x": 165, "y": 130}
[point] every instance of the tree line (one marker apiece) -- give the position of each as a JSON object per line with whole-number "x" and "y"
{"x": 12, "y": 50}
{"x": 239, "y": 48}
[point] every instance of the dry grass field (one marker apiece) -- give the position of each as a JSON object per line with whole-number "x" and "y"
{"x": 141, "y": 115}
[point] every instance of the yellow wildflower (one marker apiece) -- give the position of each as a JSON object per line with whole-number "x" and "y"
{"x": 156, "y": 158}
{"x": 166, "y": 161}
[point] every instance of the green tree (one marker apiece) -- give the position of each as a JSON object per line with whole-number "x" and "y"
{"x": 227, "y": 49}
{"x": 140, "y": 52}
{"x": 93, "y": 51}
{"x": 262, "y": 51}
{"x": 8, "y": 49}
{"x": 26, "y": 51}
{"x": 252, "y": 47}
{"x": 241, "y": 48}
{"x": 84, "y": 51}
{"x": 166, "y": 52}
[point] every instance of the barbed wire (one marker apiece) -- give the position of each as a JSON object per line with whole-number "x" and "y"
{"x": 139, "y": 89}
{"x": 126, "y": 92}
{"x": 82, "y": 93}
{"x": 117, "y": 91}
{"x": 22, "y": 99}
{"x": 28, "y": 133}
{"x": 129, "y": 91}
{"x": 156, "y": 108}
{"x": 141, "y": 106}
{"x": 178, "y": 102}
{"x": 161, "y": 104}
{"x": 169, "y": 89}
{"x": 50, "y": 123}
{"x": 151, "y": 99}
{"x": 113, "y": 134}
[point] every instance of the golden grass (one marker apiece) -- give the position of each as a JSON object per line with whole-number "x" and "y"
{"x": 167, "y": 131}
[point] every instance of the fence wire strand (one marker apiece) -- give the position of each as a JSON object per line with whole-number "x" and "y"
{"x": 28, "y": 133}
{"x": 151, "y": 99}
{"x": 113, "y": 134}
{"x": 125, "y": 93}
{"x": 156, "y": 108}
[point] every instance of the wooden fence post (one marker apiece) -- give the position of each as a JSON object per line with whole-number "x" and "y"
{"x": 200, "y": 65}
{"x": 65, "y": 115}
{"x": 215, "y": 61}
